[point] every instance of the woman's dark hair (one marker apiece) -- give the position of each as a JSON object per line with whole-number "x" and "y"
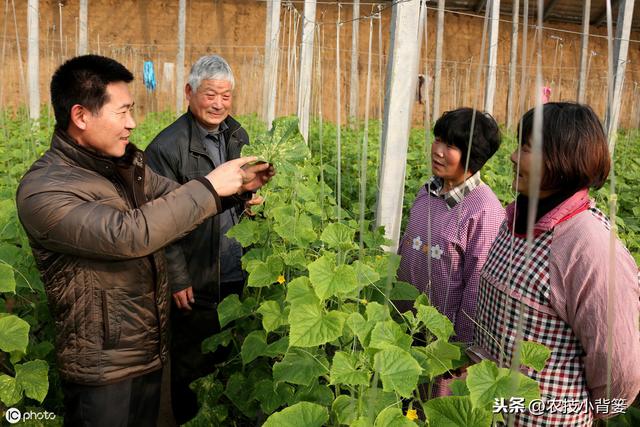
{"x": 83, "y": 80}
{"x": 454, "y": 127}
{"x": 575, "y": 152}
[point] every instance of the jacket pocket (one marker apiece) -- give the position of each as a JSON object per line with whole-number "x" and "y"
{"x": 111, "y": 317}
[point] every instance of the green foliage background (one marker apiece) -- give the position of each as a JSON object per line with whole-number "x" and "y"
{"x": 260, "y": 321}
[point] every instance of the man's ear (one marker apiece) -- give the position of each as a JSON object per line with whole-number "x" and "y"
{"x": 78, "y": 117}
{"x": 188, "y": 91}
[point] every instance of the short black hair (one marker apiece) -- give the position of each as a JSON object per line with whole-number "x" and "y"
{"x": 83, "y": 80}
{"x": 575, "y": 150}
{"x": 454, "y": 128}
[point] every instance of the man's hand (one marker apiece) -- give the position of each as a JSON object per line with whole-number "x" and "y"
{"x": 183, "y": 298}
{"x": 230, "y": 177}
{"x": 256, "y": 176}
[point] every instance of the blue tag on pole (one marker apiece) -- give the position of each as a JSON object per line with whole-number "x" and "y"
{"x": 149, "y": 77}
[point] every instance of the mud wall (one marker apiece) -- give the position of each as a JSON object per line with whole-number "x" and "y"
{"x": 133, "y": 31}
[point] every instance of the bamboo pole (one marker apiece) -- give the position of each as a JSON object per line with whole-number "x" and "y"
{"x": 584, "y": 52}
{"x": 403, "y": 62}
{"x": 437, "y": 75}
{"x": 513, "y": 64}
{"x": 180, "y": 56}
{"x": 306, "y": 66}
{"x": 33, "y": 60}
{"x": 490, "y": 88}
{"x": 354, "y": 79}
{"x": 82, "y": 31}
{"x": 621, "y": 49}
{"x": 271, "y": 50}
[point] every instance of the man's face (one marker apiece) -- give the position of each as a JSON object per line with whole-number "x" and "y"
{"x": 211, "y": 103}
{"x": 107, "y": 132}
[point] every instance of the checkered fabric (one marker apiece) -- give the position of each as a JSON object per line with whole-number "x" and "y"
{"x": 456, "y": 194}
{"x": 515, "y": 288}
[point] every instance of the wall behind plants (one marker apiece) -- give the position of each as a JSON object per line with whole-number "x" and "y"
{"x": 133, "y": 31}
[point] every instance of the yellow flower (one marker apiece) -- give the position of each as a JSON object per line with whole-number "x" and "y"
{"x": 281, "y": 279}
{"x": 364, "y": 301}
{"x": 412, "y": 414}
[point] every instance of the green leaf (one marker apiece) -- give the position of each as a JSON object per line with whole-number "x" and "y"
{"x": 456, "y": 411}
{"x": 398, "y": 370}
{"x": 534, "y": 355}
{"x": 277, "y": 348}
{"x": 14, "y": 334}
{"x": 440, "y": 356}
{"x": 245, "y": 232}
{"x": 271, "y": 396}
{"x": 7, "y": 279}
{"x": 311, "y": 326}
{"x": 10, "y": 390}
{"x": 377, "y": 312}
{"x": 328, "y": 279}
{"x": 299, "y": 292}
{"x": 299, "y": 367}
{"x": 264, "y": 273}
{"x": 301, "y": 414}
{"x": 486, "y": 382}
{"x": 272, "y": 315}
{"x": 345, "y": 408}
{"x": 211, "y": 344}
{"x": 297, "y": 229}
{"x": 393, "y": 417}
{"x": 295, "y": 258}
{"x": 459, "y": 388}
{"x": 318, "y": 393}
{"x": 403, "y": 291}
{"x": 389, "y": 334}
{"x": 438, "y": 324}
{"x": 238, "y": 390}
{"x": 338, "y": 236}
{"x": 254, "y": 346}
{"x": 360, "y": 327}
{"x": 365, "y": 274}
{"x": 33, "y": 377}
{"x": 344, "y": 370}
{"x": 375, "y": 401}
{"x": 231, "y": 309}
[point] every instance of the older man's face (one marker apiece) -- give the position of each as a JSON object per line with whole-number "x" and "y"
{"x": 211, "y": 102}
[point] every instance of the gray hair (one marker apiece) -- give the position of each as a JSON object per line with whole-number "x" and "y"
{"x": 210, "y": 67}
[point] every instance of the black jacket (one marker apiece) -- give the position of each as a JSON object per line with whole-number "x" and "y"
{"x": 178, "y": 153}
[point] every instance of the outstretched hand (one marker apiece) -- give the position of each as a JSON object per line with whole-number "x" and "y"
{"x": 257, "y": 175}
{"x": 230, "y": 177}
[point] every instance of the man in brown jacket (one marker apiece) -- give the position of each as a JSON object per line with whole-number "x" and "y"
{"x": 97, "y": 219}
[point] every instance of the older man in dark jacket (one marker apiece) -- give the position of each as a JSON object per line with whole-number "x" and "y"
{"x": 205, "y": 266}
{"x": 97, "y": 219}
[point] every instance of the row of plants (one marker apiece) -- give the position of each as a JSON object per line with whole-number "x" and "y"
{"x": 325, "y": 331}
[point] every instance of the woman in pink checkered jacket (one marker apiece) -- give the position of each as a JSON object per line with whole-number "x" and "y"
{"x": 574, "y": 289}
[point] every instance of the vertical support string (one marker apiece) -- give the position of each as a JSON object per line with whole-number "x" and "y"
{"x": 338, "y": 124}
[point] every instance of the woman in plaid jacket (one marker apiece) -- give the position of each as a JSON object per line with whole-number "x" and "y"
{"x": 575, "y": 289}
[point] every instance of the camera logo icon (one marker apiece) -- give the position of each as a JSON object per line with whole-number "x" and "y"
{"x": 13, "y": 415}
